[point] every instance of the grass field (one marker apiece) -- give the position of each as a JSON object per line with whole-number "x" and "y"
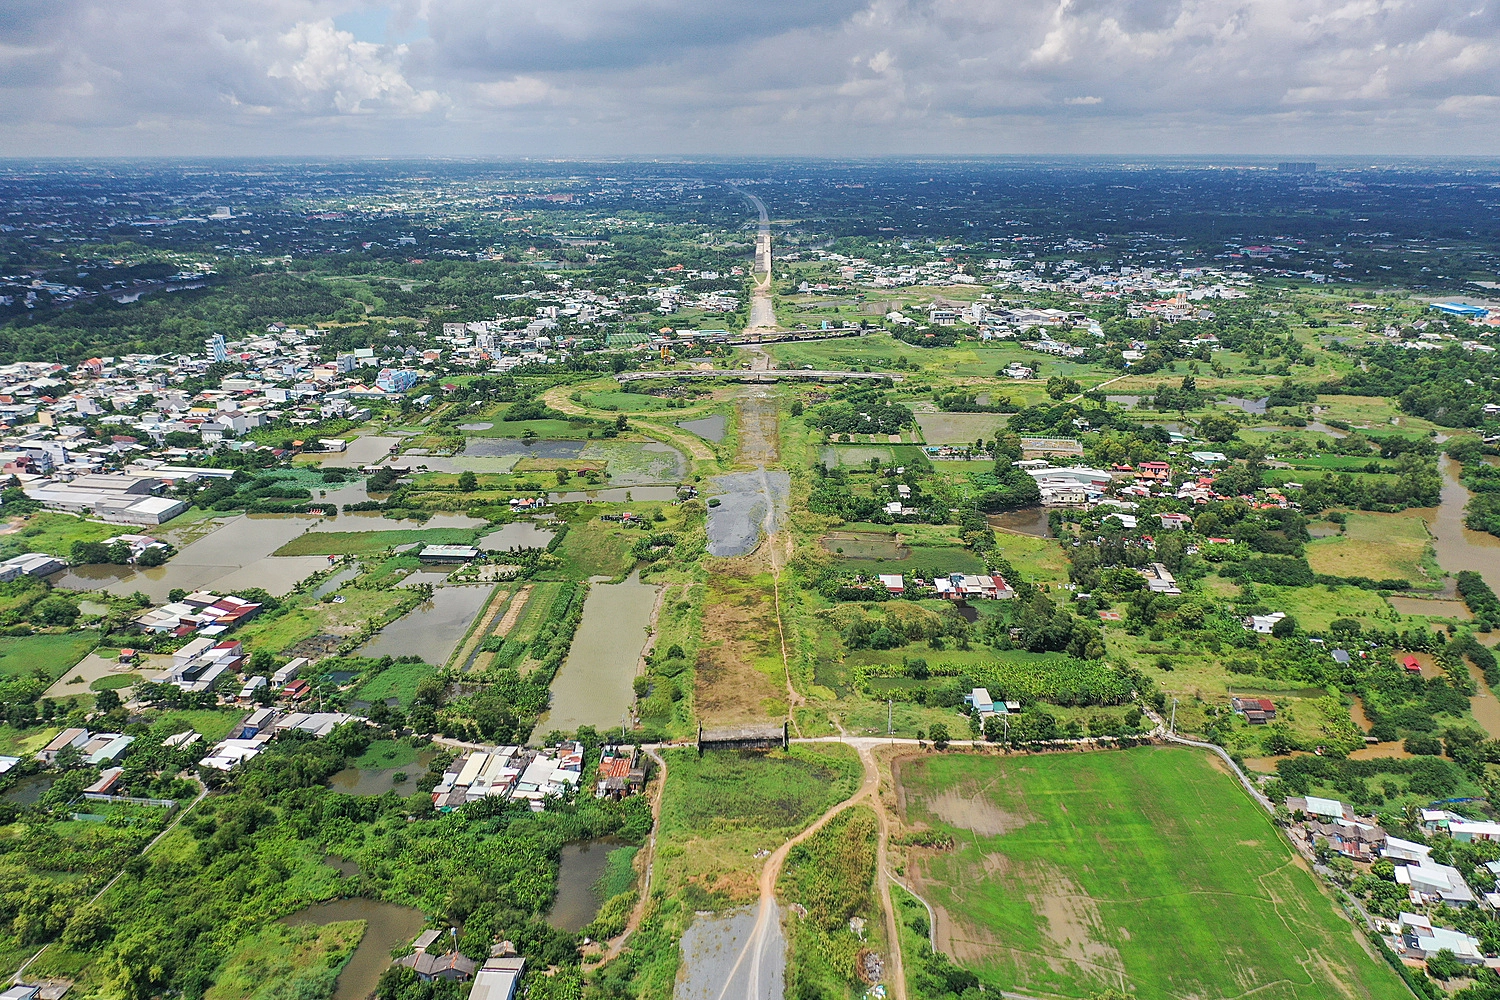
{"x": 1147, "y": 870}
{"x": 385, "y": 753}
{"x": 399, "y": 680}
{"x": 959, "y": 428}
{"x": 54, "y": 533}
{"x": 1038, "y": 560}
{"x": 1379, "y": 546}
{"x": 361, "y": 543}
{"x": 283, "y": 961}
{"x": 595, "y": 548}
{"x": 49, "y": 655}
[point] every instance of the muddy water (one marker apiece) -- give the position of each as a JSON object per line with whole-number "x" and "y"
{"x": 335, "y": 581}
{"x": 361, "y": 451}
{"x": 1437, "y": 609}
{"x": 1357, "y": 713}
{"x": 434, "y": 629}
{"x": 516, "y": 535}
{"x": 1484, "y": 704}
{"x": 378, "y": 781}
{"x": 710, "y": 428}
{"x": 373, "y": 520}
{"x": 1457, "y": 547}
{"x": 1031, "y": 521}
{"x": 386, "y": 926}
{"x": 1381, "y": 751}
{"x": 581, "y": 868}
{"x": 238, "y": 554}
{"x": 593, "y": 688}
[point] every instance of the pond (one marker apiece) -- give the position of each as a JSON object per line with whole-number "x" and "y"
{"x": 516, "y": 535}
{"x": 345, "y": 867}
{"x": 434, "y": 629}
{"x": 1032, "y": 521}
{"x": 749, "y": 503}
{"x": 387, "y": 926}
{"x": 29, "y": 791}
{"x": 1458, "y": 547}
{"x": 236, "y": 554}
{"x": 711, "y": 427}
{"x": 593, "y": 688}
{"x": 374, "y": 520}
{"x": 335, "y": 581}
{"x": 579, "y": 871}
{"x": 378, "y": 781}
{"x": 1256, "y": 406}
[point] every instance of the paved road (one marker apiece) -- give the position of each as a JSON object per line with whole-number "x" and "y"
{"x": 762, "y": 312}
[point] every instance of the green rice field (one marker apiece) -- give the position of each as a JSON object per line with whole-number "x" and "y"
{"x": 1147, "y": 870}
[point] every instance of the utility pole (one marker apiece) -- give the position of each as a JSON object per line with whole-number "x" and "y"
{"x": 890, "y": 710}
{"x": 1173, "y": 727}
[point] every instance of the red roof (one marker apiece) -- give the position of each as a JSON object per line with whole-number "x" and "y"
{"x": 614, "y": 767}
{"x": 1410, "y": 663}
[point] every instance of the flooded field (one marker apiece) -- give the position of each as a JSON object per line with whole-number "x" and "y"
{"x": 336, "y": 581}
{"x": 709, "y": 428}
{"x": 1458, "y": 547}
{"x": 618, "y": 495}
{"x": 633, "y": 464}
{"x": 387, "y": 926}
{"x": 593, "y": 688}
{"x": 711, "y": 958}
{"x": 237, "y": 554}
{"x": 864, "y": 545}
{"x": 29, "y": 791}
{"x": 579, "y": 871}
{"x": 508, "y": 447}
{"x": 1032, "y": 521}
{"x": 434, "y": 629}
{"x": 1484, "y": 704}
{"x": 1256, "y": 406}
{"x": 1437, "y": 609}
{"x": 517, "y": 535}
{"x": 366, "y": 450}
{"x": 749, "y": 503}
{"x": 373, "y": 520}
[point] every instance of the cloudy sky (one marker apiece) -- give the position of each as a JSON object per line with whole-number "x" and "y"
{"x": 826, "y": 77}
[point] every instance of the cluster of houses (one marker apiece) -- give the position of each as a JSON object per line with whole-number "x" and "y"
{"x": 953, "y": 587}
{"x": 92, "y": 748}
{"x": 1427, "y": 882}
{"x": 202, "y": 612}
{"x": 1255, "y": 711}
{"x": 250, "y": 737}
{"x": 533, "y": 776}
{"x": 435, "y": 957}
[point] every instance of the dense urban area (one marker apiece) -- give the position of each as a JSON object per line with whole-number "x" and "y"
{"x": 656, "y": 580}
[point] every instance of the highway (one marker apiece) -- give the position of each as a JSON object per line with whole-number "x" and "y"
{"x": 762, "y": 312}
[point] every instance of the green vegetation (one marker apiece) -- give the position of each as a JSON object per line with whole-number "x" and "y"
{"x": 831, "y": 875}
{"x": 282, "y": 961}
{"x": 46, "y": 657}
{"x": 363, "y": 543}
{"x": 385, "y": 753}
{"x": 1123, "y": 869}
{"x": 399, "y": 680}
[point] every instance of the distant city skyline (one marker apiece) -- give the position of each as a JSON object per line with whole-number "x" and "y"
{"x": 1291, "y": 78}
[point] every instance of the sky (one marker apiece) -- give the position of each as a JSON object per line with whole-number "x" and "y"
{"x": 775, "y": 77}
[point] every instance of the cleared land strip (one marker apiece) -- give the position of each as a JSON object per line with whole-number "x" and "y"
{"x": 464, "y": 657}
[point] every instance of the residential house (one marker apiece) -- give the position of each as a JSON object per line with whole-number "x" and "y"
{"x": 1417, "y": 938}
{"x": 1174, "y": 522}
{"x": 498, "y": 978}
{"x": 67, "y": 738}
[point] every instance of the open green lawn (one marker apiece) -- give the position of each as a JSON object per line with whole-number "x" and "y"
{"x": 385, "y": 753}
{"x": 627, "y": 402}
{"x": 52, "y": 655}
{"x": 1145, "y": 869}
{"x": 54, "y": 533}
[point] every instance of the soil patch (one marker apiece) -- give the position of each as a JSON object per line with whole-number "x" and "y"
{"x": 739, "y": 629}
{"x": 760, "y": 442}
{"x": 970, "y": 809}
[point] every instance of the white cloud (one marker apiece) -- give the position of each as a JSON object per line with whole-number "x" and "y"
{"x": 785, "y": 76}
{"x": 328, "y": 66}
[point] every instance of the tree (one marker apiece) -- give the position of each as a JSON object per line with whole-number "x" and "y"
{"x": 89, "y": 553}
{"x": 467, "y": 481}
{"x": 939, "y": 735}
{"x": 119, "y": 553}
{"x": 107, "y": 700}
{"x": 155, "y": 555}
{"x": 1444, "y": 965}
{"x": 1217, "y": 427}
{"x": 55, "y": 610}
{"x": 621, "y": 423}
{"x": 1285, "y": 627}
